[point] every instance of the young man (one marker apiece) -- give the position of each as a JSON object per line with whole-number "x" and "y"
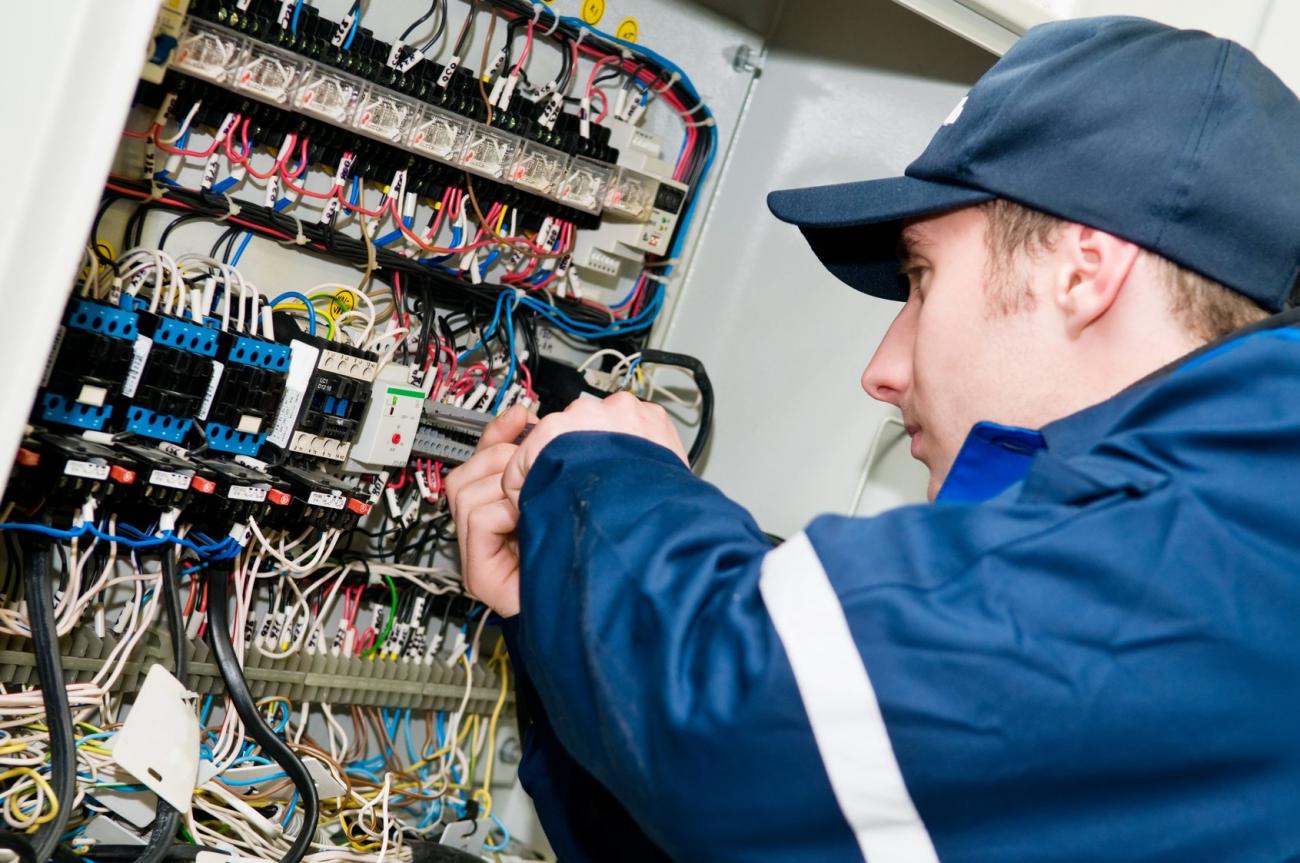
{"x": 1087, "y": 648}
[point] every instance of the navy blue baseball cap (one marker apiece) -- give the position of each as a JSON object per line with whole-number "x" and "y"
{"x": 1177, "y": 141}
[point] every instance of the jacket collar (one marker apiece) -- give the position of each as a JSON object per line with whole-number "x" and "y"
{"x": 993, "y": 457}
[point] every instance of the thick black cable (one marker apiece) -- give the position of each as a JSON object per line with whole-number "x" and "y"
{"x": 702, "y": 383}
{"x": 18, "y": 844}
{"x": 54, "y": 697}
{"x": 168, "y": 818}
{"x": 272, "y": 746}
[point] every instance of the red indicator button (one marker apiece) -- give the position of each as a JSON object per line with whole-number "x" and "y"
{"x": 279, "y": 498}
{"x": 28, "y": 458}
{"x": 203, "y": 486}
{"x": 397, "y": 438}
{"x": 121, "y": 474}
{"x": 360, "y": 507}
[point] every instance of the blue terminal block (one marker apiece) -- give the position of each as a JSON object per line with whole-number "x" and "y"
{"x": 146, "y": 423}
{"x": 186, "y": 336}
{"x": 223, "y": 438}
{"x": 104, "y": 320}
{"x": 64, "y": 411}
{"x": 259, "y": 354}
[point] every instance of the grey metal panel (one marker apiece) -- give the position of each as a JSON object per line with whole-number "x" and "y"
{"x": 853, "y": 91}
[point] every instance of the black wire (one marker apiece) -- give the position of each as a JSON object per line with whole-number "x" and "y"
{"x": 174, "y": 224}
{"x": 168, "y": 817}
{"x": 702, "y": 383}
{"x": 433, "y": 7}
{"x": 54, "y": 697}
{"x": 254, "y": 723}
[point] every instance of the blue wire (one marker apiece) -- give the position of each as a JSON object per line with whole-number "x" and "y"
{"x": 356, "y": 25}
{"x": 302, "y": 298}
{"x": 297, "y": 11}
{"x": 293, "y": 806}
{"x": 505, "y": 835}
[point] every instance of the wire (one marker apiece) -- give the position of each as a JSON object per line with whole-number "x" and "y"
{"x": 54, "y": 698}
{"x": 254, "y": 723}
{"x": 702, "y": 383}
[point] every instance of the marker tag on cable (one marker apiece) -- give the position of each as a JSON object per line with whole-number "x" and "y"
{"x": 584, "y": 115}
{"x": 286, "y": 12}
{"x": 448, "y": 71}
{"x": 498, "y": 88}
{"x": 390, "y": 502}
{"x": 272, "y": 192}
{"x": 341, "y": 34}
{"x": 410, "y": 61}
{"x": 395, "y": 53}
{"x": 214, "y": 161}
{"x": 159, "y": 742}
{"x": 340, "y": 177}
{"x": 498, "y": 63}
{"x": 508, "y": 93}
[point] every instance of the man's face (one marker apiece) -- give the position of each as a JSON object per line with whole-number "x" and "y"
{"x": 954, "y": 357}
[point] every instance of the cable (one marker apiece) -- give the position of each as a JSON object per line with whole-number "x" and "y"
{"x": 168, "y": 817}
{"x": 702, "y": 383}
{"x": 54, "y": 697}
{"x": 254, "y": 723}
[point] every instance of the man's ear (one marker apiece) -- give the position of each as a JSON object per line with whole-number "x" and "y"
{"x": 1093, "y": 268}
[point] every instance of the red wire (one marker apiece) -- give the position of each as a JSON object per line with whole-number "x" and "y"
{"x": 397, "y": 297}
{"x": 604, "y": 104}
{"x": 179, "y": 151}
{"x": 152, "y": 130}
{"x": 357, "y": 208}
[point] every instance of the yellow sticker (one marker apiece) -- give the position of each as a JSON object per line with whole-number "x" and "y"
{"x": 343, "y": 302}
{"x": 628, "y": 30}
{"x": 593, "y": 11}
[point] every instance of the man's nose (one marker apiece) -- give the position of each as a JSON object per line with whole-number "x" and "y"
{"x": 889, "y": 374}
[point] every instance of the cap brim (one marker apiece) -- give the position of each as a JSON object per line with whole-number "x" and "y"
{"x": 853, "y": 228}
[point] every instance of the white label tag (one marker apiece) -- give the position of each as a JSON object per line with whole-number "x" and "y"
{"x": 169, "y": 478}
{"x": 341, "y": 34}
{"x": 302, "y": 361}
{"x": 174, "y": 449}
{"x": 447, "y": 71}
{"x": 217, "y": 369}
{"x": 86, "y": 469}
{"x": 255, "y": 493}
{"x": 286, "y": 12}
{"x": 327, "y": 500}
{"x": 139, "y": 356}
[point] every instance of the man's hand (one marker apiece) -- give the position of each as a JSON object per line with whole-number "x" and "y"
{"x": 485, "y": 519}
{"x": 621, "y": 412}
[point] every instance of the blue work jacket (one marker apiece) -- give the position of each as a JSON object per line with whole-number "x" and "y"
{"x": 1088, "y": 649}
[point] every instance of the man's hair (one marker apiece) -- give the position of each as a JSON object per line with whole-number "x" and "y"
{"x": 1204, "y": 308}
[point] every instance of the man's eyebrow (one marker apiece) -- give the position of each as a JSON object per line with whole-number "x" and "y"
{"x": 911, "y": 240}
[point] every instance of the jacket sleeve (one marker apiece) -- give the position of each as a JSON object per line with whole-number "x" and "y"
{"x": 644, "y": 633}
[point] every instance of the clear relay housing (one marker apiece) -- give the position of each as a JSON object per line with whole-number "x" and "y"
{"x": 326, "y": 95}
{"x": 583, "y": 184}
{"x": 209, "y": 53}
{"x": 488, "y": 152}
{"x": 439, "y": 134}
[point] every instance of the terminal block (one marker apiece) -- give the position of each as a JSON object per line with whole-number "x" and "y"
{"x": 325, "y": 396}
{"x": 319, "y": 500}
{"x": 171, "y": 371}
{"x": 247, "y": 394}
{"x": 91, "y": 357}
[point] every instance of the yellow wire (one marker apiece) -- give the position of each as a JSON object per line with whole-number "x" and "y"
{"x": 45, "y": 789}
{"x": 490, "y": 762}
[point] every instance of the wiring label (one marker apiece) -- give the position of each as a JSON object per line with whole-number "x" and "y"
{"x": 139, "y": 356}
{"x": 628, "y": 29}
{"x": 302, "y": 361}
{"x": 255, "y": 493}
{"x": 329, "y": 500}
{"x": 217, "y": 369}
{"x": 169, "y": 479}
{"x": 593, "y": 11}
{"x": 86, "y": 469}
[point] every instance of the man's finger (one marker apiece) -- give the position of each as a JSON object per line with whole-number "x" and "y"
{"x": 489, "y": 540}
{"x": 486, "y": 462}
{"x": 506, "y": 428}
{"x": 469, "y": 497}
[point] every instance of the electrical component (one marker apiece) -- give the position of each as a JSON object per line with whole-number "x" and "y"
{"x": 326, "y": 391}
{"x": 391, "y": 420}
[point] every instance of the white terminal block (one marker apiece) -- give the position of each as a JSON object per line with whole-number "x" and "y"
{"x": 391, "y": 421}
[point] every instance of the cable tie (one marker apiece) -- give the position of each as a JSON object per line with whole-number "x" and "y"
{"x": 698, "y": 105}
{"x": 537, "y": 13}
{"x": 155, "y": 191}
{"x": 663, "y": 280}
{"x": 671, "y": 82}
{"x": 707, "y": 121}
{"x": 555, "y": 25}
{"x": 232, "y": 209}
{"x": 582, "y": 34}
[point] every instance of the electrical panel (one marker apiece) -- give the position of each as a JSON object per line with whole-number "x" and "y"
{"x": 228, "y": 516}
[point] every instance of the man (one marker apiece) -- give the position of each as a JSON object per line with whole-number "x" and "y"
{"x": 1089, "y": 647}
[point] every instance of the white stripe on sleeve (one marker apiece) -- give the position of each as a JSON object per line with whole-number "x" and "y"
{"x": 842, "y": 706}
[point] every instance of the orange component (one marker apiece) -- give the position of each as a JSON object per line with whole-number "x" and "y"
{"x": 279, "y": 498}
{"x": 360, "y": 507}
{"x": 121, "y": 475}
{"x": 28, "y": 458}
{"x": 203, "y": 486}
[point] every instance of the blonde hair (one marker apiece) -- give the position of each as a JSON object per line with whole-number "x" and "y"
{"x": 1204, "y": 308}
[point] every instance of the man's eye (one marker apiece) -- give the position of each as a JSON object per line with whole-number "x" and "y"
{"x": 916, "y": 279}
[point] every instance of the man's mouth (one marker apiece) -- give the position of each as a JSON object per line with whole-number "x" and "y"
{"x": 914, "y": 432}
